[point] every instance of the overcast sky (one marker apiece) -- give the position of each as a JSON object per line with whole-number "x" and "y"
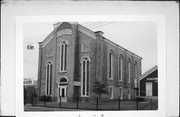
{"x": 138, "y": 37}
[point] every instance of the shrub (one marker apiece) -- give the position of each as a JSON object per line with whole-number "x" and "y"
{"x": 100, "y": 88}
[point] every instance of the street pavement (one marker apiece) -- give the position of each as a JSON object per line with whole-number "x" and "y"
{"x": 37, "y": 108}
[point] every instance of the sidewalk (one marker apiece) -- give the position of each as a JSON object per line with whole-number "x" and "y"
{"x": 38, "y": 108}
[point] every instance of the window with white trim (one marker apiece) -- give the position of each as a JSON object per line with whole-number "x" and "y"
{"x": 129, "y": 70}
{"x": 63, "y": 56}
{"x": 135, "y": 70}
{"x": 121, "y": 92}
{"x": 63, "y": 81}
{"x": 111, "y": 92}
{"x": 85, "y": 76}
{"x": 110, "y": 69}
{"x": 135, "y": 75}
{"x": 48, "y": 78}
{"x": 129, "y": 94}
{"x": 121, "y": 68}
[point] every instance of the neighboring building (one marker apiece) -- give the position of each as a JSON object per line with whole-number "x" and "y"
{"x": 71, "y": 57}
{"x": 148, "y": 83}
{"x": 28, "y": 82}
{"x": 30, "y": 90}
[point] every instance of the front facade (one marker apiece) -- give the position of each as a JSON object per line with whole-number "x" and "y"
{"x": 72, "y": 57}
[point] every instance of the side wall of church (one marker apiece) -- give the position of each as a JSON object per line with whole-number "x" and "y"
{"x": 105, "y": 49}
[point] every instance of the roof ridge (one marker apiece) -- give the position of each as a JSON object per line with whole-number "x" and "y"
{"x": 148, "y": 72}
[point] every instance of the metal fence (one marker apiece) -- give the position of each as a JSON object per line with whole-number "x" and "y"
{"x": 99, "y": 104}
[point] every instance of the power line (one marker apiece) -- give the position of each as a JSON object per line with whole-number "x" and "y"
{"x": 97, "y": 24}
{"x": 91, "y": 25}
{"x": 102, "y": 24}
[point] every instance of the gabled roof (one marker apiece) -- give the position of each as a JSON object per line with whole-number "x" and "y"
{"x": 47, "y": 39}
{"x": 147, "y": 72}
{"x": 120, "y": 47}
{"x": 86, "y": 31}
{"x": 81, "y": 28}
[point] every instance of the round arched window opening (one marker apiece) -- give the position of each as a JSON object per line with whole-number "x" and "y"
{"x": 63, "y": 81}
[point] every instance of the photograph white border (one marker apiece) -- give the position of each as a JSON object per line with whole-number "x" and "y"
{"x": 161, "y": 42}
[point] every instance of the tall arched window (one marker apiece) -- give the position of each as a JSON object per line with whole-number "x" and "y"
{"x": 63, "y": 56}
{"x": 120, "y": 67}
{"x": 135, "y": 70}
{"x": 48, "y": 78}
{"x": 85, "y": 76}
{"x": 129, "y": 70}
{"x": 110, "y": 69}
{"x": 135, "y": 75}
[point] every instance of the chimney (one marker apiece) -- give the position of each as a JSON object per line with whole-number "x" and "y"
{"x": 56, "y": 24}
{"x": 99, "y": 33}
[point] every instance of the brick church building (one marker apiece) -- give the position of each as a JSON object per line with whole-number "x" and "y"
{"x": 72, "y": 57}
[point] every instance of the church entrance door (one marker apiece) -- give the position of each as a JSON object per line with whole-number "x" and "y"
{"x": 63, "y": 93}
{"x": 62, "y": 89}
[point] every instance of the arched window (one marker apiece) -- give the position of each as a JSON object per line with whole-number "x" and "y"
{"x": 63, "y": 81}
{"x": 135, "y": 75}
{"x": 48, "y": 78}
{"x": 129, "y": 93}
{"x": 85, "y": 76}
{"x": 111, "y": 65}
{"x": 129, "y": 70}
{"x": 63, "y": 56}
{"x": 121, "y": 68}
{"x": 135, "y": 70}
